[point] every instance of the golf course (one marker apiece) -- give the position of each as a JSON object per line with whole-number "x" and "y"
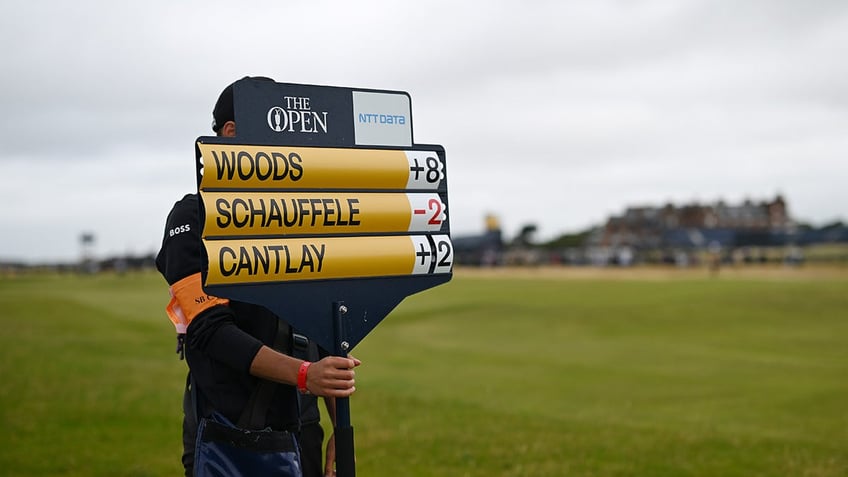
{"x": 499, "y": 372}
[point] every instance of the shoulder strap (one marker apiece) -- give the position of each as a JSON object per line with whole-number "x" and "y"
{"x": 256, "y": 410}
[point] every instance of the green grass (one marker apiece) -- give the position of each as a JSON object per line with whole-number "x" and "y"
{"x": 478, "y": 377}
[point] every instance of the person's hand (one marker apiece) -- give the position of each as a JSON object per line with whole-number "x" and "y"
{"x": 330, "y": 457}
{"x": 332, "y": 376}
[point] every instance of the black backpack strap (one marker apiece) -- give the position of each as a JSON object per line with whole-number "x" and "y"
{"x": 189, "y": 424}
{"x": 300, "y": 347}
{"x": 256, "y": 410}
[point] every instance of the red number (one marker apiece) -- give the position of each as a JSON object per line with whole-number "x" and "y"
{"x": 437, "y": 204}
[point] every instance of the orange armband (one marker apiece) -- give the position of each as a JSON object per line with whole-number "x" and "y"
{"x": 188, "y": 300}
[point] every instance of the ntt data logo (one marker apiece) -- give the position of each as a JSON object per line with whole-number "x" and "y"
{"x": 375, "y": 118}
{"x": 296, "y": 116}
{"x": 382, "y": 119}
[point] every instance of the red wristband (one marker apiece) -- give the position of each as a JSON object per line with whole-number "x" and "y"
{"x": 301, "y": 377}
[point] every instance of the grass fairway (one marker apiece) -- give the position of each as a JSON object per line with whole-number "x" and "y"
{"x": 542, "y": 374}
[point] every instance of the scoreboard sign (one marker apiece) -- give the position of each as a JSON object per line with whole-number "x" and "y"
{"x": 321, "y": 199}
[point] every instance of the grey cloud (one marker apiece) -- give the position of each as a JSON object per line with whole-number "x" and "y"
{"x": 595, "y": 104}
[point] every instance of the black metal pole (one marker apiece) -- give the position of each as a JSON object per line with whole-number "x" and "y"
{"x": 345, "y": 462}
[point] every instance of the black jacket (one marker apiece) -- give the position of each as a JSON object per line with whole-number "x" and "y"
{"x": 221, "y": 342}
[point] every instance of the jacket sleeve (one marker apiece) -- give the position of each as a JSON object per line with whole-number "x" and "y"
{"x": 181, "y": 251}
{"x": 213, "y": 333}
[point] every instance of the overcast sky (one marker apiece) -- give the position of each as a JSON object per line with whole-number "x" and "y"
{"x": 556, "y": 113}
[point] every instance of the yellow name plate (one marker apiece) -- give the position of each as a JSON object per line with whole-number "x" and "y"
{"x": 292, "y": 167}
{"x": 270, "y": 260}
{"x": 302, "y": 213}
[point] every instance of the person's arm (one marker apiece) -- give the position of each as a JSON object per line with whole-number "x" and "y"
{"x": 213, "y": 334}
{"x": 332, "y": 376}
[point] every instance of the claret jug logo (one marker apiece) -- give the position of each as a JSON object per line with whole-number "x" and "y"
{"x": 296, "y": 116}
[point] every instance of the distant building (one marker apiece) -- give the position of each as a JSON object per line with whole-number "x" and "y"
{"x": 485, "y": 249}
{"x": 679, "y": 234}
{"x": 697, "y": 225}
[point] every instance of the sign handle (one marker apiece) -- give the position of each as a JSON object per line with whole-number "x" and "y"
{"x": 345, "y": 461}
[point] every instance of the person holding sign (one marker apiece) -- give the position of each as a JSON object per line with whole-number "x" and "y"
{"x": 243, "y": 374}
